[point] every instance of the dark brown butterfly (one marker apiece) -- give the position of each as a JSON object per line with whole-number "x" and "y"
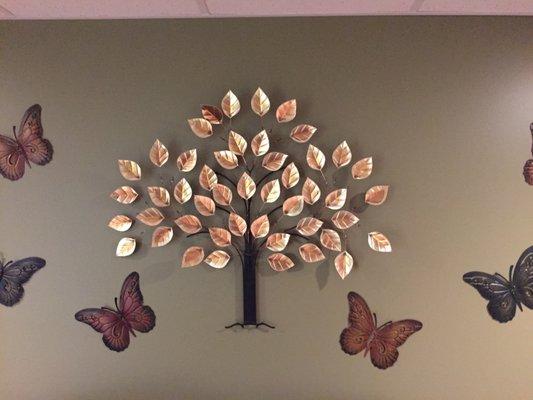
{"x": 27, "y": 146}
{"x": 505, "y": 295}
{"x": 381, "y": 342}
{"x": 116, "y": 325}
{"x": 13, "y": 275}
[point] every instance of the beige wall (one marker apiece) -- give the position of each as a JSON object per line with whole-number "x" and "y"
{"x": 444, "y": 106}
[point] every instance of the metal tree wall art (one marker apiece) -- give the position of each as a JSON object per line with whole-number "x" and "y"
{"x": 253, "y": 200}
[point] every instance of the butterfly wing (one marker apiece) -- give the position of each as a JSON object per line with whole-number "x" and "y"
{"x": 12, "y": 160}
{"x": 387, "y": 339}
{"x": 14, "y": 275}
{"x": 361, "y": 324}
{"x": 495, "y": 289}
{"x": 140, "y": 317}
{"x": 115, "y": 331}
{"x": 523, "y": 278}
{"x": 30, "y": 137}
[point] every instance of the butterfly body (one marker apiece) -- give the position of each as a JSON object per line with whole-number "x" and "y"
{"x": 130, "y": 315}
{"x": 28, "y": 145}
{"x": 13, "y": 275}
{"x": 381, "y": 342}
{"x": 505, "y": 295}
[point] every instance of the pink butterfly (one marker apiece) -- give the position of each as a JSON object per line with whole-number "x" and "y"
{"x": 116, "y": 325}
{"x": 27, "y": 146}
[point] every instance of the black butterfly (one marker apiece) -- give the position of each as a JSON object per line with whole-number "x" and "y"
{"x": 504, "y": 295}
{"x": 13, "y": 275}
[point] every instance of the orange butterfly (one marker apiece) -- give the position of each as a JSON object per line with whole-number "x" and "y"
{"x": 364, "y": 334}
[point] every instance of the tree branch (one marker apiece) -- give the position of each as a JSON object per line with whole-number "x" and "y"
{"x": 226, "y": 178}
{"x": 274, "y": 210}
{"x": 197, "y": 233}
{"x": 264, "y": 177}
{"x": 222, "y": 208}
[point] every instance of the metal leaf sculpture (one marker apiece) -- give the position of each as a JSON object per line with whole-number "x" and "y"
{"x": 189, "y": 223}
{"x": 246, "y": 186}
{"x": 230, "y": 104}
{"x": 308, "y": 226}
{"x": 250, "y": 198}
{"x": 274, "y": 161}
{"x": 212, "y": 114}
{"x": 278, "y": 241}
{"x": 290, "y": 176}
{"x": 260, "y": 102}
{"x": 286, "y": 112}
{"x": 126, "y": 247}
{"x": 342, "y": 155}
{"x": 227, "y": 159}
{"x": 192, "y": 257}
{"x": 344, "y": 219}
{"x": 151, "y": 216}
{"x": 222, "y": 194}
{"x": 120, "y": 223}
{"x": 217, "y": 259}
{"x": 362, "y": 168}
{"x": 204, "y": 205}
{"x": 336, "y": 199}
{"x": 311, "y": 253}
{"x": 201, "y": 127}
{"x": 124, "y": 195}
{"x": 187, "y": 160}
{"x": 302, "y": 133}
{"x": 220, "y": 237}
{"x": 379, "y": 242}
{"x": 311, "y": 191}
{"x": 260, "y": 227}
{"x": 280, "y": 262}
{"x": 376, "y": 195}
{"x": 315, "y": 158}
{"x": 182, "y": 191}
{"x": 208, "y": 179}
{"x": 271, "y": 191}
{"x": 330, "y": 239}
{"x": 159, "y": 196}
{"x": 130, "y": 170}
{"x": 158, "y": 154}
{"x": 260, "y": 144}
{"x": 237, "y": 144}
{"x": 237, "y": 224}
{"x": 162, "y": 236}
{"x": 343, "y": 264}
{"x": 293, "y": 206}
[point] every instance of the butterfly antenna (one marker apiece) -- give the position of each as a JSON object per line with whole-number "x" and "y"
{"x": 116, "y": 303}
{"x": 15, "y": 131}
{"x": 511, "y": 273}
{"x": 375, "y": 319}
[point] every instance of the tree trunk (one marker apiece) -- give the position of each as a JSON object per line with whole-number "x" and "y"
{"x": 248, "y": 288}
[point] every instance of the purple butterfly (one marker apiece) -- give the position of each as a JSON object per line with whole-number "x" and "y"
{"x": 116, "y": 325}
{"x": 13, "y": 275}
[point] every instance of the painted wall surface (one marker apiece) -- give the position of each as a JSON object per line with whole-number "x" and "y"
{"x": 443, "y": 105}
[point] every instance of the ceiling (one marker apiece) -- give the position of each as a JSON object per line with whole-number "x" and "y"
{"x": 116, "y": 9}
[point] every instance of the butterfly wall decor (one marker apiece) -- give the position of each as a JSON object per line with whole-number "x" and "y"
{"x": 130, "y": 316}
{"x": 504, "y": 295}
{"x": 382, "y": 341}
{"x": 15, "y": 274}
{"x": 27, "y": 146}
